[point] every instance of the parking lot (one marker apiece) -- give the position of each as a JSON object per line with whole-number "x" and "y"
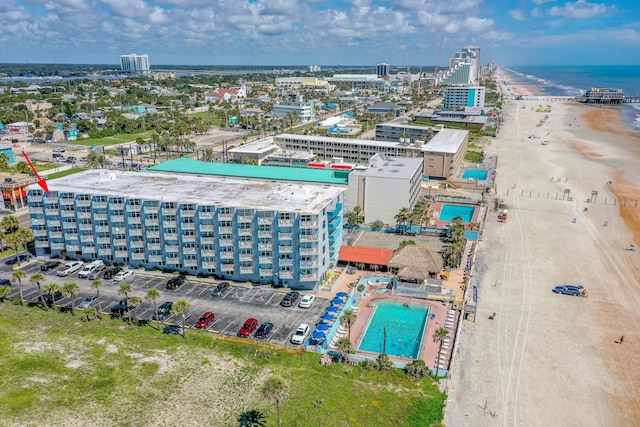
{"x": 231, "y": 309}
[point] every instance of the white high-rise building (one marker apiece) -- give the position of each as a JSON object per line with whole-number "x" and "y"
{"x": 469, "y": 55}
{"x": 134, "y": 63}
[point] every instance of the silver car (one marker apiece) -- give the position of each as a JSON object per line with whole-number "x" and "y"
{"x": 70, "y": 267}
{"x": 89, "y": 301}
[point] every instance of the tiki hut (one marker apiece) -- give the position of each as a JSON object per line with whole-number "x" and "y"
{"x": 416, "y": 263}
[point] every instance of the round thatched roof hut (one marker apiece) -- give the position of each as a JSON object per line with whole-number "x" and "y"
{"x": 416, "y": 263}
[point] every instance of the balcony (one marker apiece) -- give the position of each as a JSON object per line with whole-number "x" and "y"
{"x": 188, "y": 239}
{"x": 151, "y": 209}
{"x": 187, "y": 213}
{"x": 87, "y": 238}
{"x": 190, "y": 262}
{"x": 121, "y": 254}
{"x": 225, "y": 217}
{"x": 209, "y": 265}
{"x": 267, "y": 234}
{"x": 262, "y": 220}
{"x": 227, "y": 230}
{"x": 57, "y": 246}
{"x": 246, "y": 270}
{"x": 135, "y": 232}
{"x": 170, "y": 236}
{"x": 189, "y": 251}
{"x": 134, "y": 220}
{"x": 42, "y": 243}
{"x": 88, "y": 249}
{"x": 169, "y": 224}
{"x": 70, "y": 226}
{"x": 207, "y": 240}
{"x": 173, "y": 261}
{"x": 133, "y": 208}
{"x": 226, "y": 242}
{"x": 99, "y": 205}
{"x": 171, "y": 248}
{"x": 246, "y": 244}
{"x": 286, "y": 249}
{"x": 38, "y": 221}
{"x": 100, "y": 217}
{"x": 102, "y": 228}
{"x": 116, "y": 206}
{"x": 118, "y": 230}
{"x": 206, "y": 228}
{"x": 151, "y": 222}
{"x": 83, "y": 203}
{"x": 71, "y": 236}
{"x": 137, "y": 257}
{"x": 36, "y": 210}
{"x": 119, "y": 219}
{"x": 155, "y": 258}
{"x": 153, "y": 234}
{"x": 266, "y": 272}
{"x": 226, "y": 255}
{"x": 136, "y": 244}
{"x": 188, "y": 226}
{"x": 207, "y": 252}
{"x": 54, "y": 223}
{"x": 67, "y": 213}
{"x": 85, "y": 227}
{"x": 309, "y": 238}
{"x": 120, "y": 242}
{"x": 41, "y": 233}
{"x": 154, "y": 246}
{"x": 35, "y": 199}
{"x": 206, "y": 215}
{"x": 169, "y": 211}
{"x": 105, "y": 251}
{"x": 84, "y": 215}
{"x": 285, "y": 222}
{"x": 286, "y": 275}
{"x": 307, "y": 251}
{"x": 285, "y": 236}
{"x": 265, "y": 260}
{"x": 309, "y": 224}
{"x": 52, "y": 212}
{"x": 103, "y": 240}
{"x": 73, "y": 248}
{"x": 309, "y": 264}
{"x": 308, "y": 277}
{"x": 245, "y": 232}
{"x": 286, "y": 262}
{"x": 246, "y": 257}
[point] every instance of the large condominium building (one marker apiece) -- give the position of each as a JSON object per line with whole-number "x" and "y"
{"x": 235, "y": 228}
{"x": 394, "y": 132}
{"x": 383, "y": 70}
{"x": 469, "y": 55}
{"x": 386, "y": 186}
{"x": 458, "y": 98}
{"x": 309, "y": 83}
{"x": 134, "y": 63}
{"x": 460, "y": 75}
{"x": 305, "y": 111}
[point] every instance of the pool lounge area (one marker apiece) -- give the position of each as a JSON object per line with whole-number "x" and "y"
{"x": 448, "y": 212}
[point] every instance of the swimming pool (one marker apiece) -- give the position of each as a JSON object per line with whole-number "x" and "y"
{"x": 405, "y": 327}
{"x": 375, "y": 281}
{"x": 451, "y": 211}
{"x": 477, "y": 174}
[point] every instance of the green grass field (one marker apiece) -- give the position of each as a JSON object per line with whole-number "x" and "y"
{"x": 63, "y": 173}
{"x": 57, "y": 368}
{"x": 209, "y": 118}
{"x": 118, "y": 138}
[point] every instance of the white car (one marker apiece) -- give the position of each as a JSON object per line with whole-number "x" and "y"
{"x": 307, "y": 301}
{"x": 123, "y": 275}
{"x": 70, "y": 267}
{"x": 90, "y": 268}
{"x": 301, "y": 334}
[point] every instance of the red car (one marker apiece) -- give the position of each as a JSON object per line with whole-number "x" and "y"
{"x": 249, "y": 326}
{"x": 205, "y": 320}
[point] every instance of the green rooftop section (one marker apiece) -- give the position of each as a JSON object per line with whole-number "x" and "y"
{"x": 278, "y": 173}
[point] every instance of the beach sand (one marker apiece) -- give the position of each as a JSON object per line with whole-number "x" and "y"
{"x": 551, "y": 359}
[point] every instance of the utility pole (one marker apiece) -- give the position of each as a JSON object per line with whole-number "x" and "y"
{"x": 435, "y": 73}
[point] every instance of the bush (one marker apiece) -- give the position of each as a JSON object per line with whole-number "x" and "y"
{"x": 360, "y": 288}
{"x": 384, "y": 363}
{"x": 377, "y": 225}
{"x": 417, "y": 369}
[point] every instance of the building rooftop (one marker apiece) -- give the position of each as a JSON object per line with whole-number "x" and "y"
{"x": 260, "y": 146}
{"x": 196, "y": 167}
{"x": 346, "y": 141}
{"x": 402, "y": 126}
{"x": 446, "y": 141}
{"x": 207, "y": 190}
{"x": 382, "y": 166}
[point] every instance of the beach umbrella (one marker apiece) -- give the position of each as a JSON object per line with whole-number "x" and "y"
{"x": 337, "y": 301}
{"x": 328, "y": 318}
{"x": 323, "y": 327}
{"x": 342, "y": 294}
{"x": 317, "y": 335}
{"x": 332, "y": 309}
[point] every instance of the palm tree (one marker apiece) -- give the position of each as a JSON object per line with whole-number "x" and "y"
{"x": 10, "y": 224}
{"x": 95, "y": 285}
{"x": 401, "y": 218}
{"x": 4, "y": 292}
{"x": 51, "y": 289}
{"x": 439, "y": 336}
{"x": 152, "y": 296}
{"x": 251, "y": 418}
{"x": 89, "y": 314}
{"x": 125, "y": 289}
{"x": 348, "y": 318}
{"x": 3, "y": 235}
{"x": 275, "y": 389}
{"x": 344, "y": 347}
{"x": 134, "y": 302}
{"x": 13, "y": 240}
{"x": 36, "y": 279}
{"x": 25, "y": 236}
{"x": 181, "y": 307}
{"x": 71, "y": 289}
{"x": 17, "y": 276}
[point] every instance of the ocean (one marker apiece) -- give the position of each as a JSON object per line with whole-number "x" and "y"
{"x": 575, "y": 80}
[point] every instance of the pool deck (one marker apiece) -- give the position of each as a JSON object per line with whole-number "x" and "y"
{"x": 438, "y": 223}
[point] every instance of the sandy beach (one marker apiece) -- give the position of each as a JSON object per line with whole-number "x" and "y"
{"x": 551, "y": 359}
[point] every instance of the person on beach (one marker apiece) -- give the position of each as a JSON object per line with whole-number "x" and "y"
{"x": 621, "y": 339}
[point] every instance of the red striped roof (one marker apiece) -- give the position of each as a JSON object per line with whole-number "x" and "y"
{"x": 365, "y": 254}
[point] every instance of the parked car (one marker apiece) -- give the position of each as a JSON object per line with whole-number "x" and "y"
{"x": 70, "y": 160}
{"x": 50, "y": 299}
{"x": 123, "y": 275}
{"x": 49, "y": 265}
{"x": 90, "y": 268}
{"x": 300, "y": 334}
{"x": 220, "y": 289}
{"x": 264, "y": 330}
{"x": 89, "y": 301}
{"x": 58, "y": 150}
{"x": 248, "y": 327}
{"x": 69, "y": 268}
{"x": 173, "y": 330}
{"x": 5, "y": 282}
{"x": 290, "y": 299}
{"x": 97, "y": 273}
{"x": 205, "y": 320}
{"x": 57, "y": 156}
{"x": 164, "y": 311}
{"x": 176, "y": 282}
{"x": 111, "y": 272}
{"x": 568, "y": 290}
{"x": 121, "y": 308}
{"x": 307, "y": 301}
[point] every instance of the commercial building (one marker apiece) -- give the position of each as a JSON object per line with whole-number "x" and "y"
{"x": 234, "y": 228}
{"x": 599, "y": 95}
{"x": 308, "y": 83}
{"x": 470, "y": 118}
{"x": 444, "y": 154}
{"x": 458, "y": 98}
{"x": 397, "y": 131}
{"x": 385, "y": 187}
{"x": 358, "y": 81}
{"x": 14, "y": 190}
{"x": 305, "y": 111}
{"x": 383, "y": 70}
{"x": 134, "y": 63}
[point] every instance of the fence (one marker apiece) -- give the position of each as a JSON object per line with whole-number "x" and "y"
{"x": 561, "y": 196}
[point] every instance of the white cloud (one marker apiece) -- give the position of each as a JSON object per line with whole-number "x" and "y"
{"x": 517, "y": 14}
{"x": 535, "y": 12}
{"x": 581, "y": 9}
{"x": 543, "y": 1}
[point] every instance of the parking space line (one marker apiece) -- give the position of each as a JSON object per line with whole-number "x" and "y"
{"x": 273, "y": 295}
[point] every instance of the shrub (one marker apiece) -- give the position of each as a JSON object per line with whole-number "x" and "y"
{"x": 417, "y": 369}
{"x": 377, "y": 225}
{"x": 383, "y": 362}
{"x": 360, "y": 288}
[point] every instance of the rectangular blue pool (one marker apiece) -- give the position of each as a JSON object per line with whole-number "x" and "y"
{"x": 477, "y": 174}
{"x": 449, "y": 212}
{"x": 405, "y": 328}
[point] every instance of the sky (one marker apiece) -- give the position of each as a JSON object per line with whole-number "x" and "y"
{"x": 320, "y": 32}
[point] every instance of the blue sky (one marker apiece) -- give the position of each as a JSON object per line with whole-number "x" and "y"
{"x": 320, "y": 32}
